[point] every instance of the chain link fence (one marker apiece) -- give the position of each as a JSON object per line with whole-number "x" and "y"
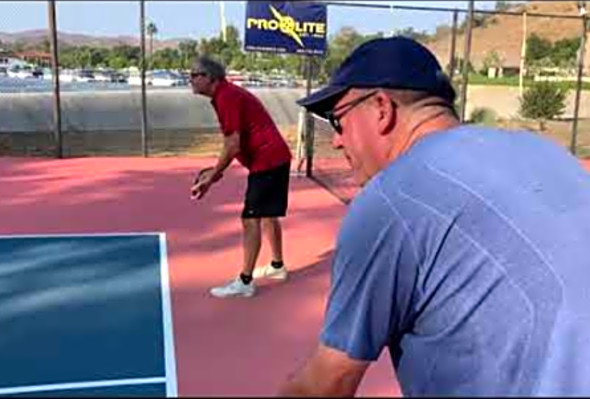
{"x": 106, "y": 105}
{"x": 485, "y": 67}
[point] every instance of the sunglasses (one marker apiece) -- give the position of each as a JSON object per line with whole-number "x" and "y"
{"x": 347, "y": 107}
{"x": 197, "y": 74}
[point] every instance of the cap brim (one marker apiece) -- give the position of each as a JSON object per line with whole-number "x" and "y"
{"x": 323, "y": 100}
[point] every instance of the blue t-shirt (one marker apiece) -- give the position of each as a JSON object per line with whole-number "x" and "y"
{"x": 469, "y": 258}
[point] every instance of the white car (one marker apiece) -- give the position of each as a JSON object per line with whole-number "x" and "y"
{"x": 23, "y": 72}
{"x": 84, "y": 76}
{"x": 134, "y": 79}
{"x": 167, "y": 79}
{"x": 74, "y": 75}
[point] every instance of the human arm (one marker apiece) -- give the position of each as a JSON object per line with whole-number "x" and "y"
{"x": 230, "y": 114}
{"x": 328, "y": 372}
{"x": 369, "y": 306}
{"x": 231, "y": 148}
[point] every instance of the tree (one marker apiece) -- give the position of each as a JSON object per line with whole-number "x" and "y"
{"x": 491, "y": 60}
{"x": 188, "y": 51}
{"x": 117, "y": 62}
{"x": 543, "y": 101}
{"x": 44, "y": 45}
{"x": 502, "y": 5}
{"x": 18, "y": 46}
{"x": 233, "y": 37}
{"x": 421, "y": 36}
{"x": 151, "y": 30}
{"x": 167, "y": 59}
{"x": 225, "y": 51}
{"x": 130, "y": 54}
{"x": 565, "y": 51}
{"x": 340, "y": 46}
{"x": 99, "y": 57}
{"x": 537, "y": 48}
{"x": 294, "y": 65}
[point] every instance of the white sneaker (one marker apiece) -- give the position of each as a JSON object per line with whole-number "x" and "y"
{"x": 234, "y": 288}
{"x": 270, "y": 272}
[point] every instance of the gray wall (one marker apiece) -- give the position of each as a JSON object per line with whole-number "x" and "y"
{"x": 505, "y": 101}
{"x": 172, "y": 109}
{"x": 179, "y": 109}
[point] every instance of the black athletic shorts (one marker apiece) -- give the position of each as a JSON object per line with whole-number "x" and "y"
{"x": 267, "y": 194}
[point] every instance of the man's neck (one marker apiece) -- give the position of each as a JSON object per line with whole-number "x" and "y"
{"x": 421, "y": 123}
{"x": 213, "y": 88}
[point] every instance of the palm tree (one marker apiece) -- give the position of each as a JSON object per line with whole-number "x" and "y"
{"x": 151, "y": 29}
{"x": 188, "y": 50}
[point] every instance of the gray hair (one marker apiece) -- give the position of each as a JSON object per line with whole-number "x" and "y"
{"x": 418, "y": 99}
{"x": 213, "y": 68}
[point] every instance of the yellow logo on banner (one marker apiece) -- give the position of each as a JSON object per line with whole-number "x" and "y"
{"x": 288, "y": 26}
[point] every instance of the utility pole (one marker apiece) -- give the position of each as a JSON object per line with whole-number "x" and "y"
{"x": 223, "y": 25}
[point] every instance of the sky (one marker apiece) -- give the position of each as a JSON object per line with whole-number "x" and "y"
{"x": 197, "y": 19}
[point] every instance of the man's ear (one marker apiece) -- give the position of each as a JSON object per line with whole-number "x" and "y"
{"x": 387, "y": 113}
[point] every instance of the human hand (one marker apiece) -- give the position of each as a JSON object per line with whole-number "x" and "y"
{"x": 205, "y": 178}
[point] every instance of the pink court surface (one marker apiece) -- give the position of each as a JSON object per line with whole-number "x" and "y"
{"x": 223, "y": 347}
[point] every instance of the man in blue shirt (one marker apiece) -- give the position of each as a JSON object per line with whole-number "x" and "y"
{"x": 466, "y": 254}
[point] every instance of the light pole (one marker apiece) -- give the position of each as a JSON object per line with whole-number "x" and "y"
{"x": 222, "y": 16}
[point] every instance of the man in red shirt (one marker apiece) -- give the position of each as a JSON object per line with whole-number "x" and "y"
{"x": 250, "y": 136}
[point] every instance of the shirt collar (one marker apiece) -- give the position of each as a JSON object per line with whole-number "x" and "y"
{"x": 222, "y": 84}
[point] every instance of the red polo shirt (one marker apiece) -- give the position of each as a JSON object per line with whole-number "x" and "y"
{"x": 262, "y": 146}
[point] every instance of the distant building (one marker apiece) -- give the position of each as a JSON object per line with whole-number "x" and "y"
{"x": 7, "y": 61}
{"x": 35, "y": 57}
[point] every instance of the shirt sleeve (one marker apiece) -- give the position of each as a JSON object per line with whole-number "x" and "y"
{"x": 373, "y": 278}
{"x": 229, "y": 113}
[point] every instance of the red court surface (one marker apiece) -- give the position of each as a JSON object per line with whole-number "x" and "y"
{"x": 224, "y": 347}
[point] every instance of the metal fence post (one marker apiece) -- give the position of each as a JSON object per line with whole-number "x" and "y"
{"x": 57, "y": 132}
{"x": 522, "y": 54}
{"x": 466, "y": 56}
{"x": 581, "y": 55}
{"x": 144, "y": 123}
{"x": 452, "y": 58}
{"x": 309, "y": 123}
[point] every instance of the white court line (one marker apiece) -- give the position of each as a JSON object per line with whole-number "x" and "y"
{"x": 58, "y": 235}
{"x": 169, "y": 358}
{"x": 81, "y": 385}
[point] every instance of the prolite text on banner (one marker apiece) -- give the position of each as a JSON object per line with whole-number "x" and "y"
{"x": 286, "y": 27}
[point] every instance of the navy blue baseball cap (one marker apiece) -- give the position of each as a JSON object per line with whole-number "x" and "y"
{"x": 396, "y": 62}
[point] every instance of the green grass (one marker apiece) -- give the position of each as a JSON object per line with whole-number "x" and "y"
{"x": 477, "y": 79}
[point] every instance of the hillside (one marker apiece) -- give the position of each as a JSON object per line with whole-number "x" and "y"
{"x": 503, "y": 33}
{"x": 34, "y": 37}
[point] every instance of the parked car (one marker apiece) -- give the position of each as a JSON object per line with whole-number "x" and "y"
{"x": 109, "y": 76}
{"x": 167, "y": 79}
{"x": 134, "y": 78}
{"x": 24, "y": 72}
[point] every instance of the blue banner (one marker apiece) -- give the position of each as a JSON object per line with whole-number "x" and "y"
{"x": 286, "y": 27}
